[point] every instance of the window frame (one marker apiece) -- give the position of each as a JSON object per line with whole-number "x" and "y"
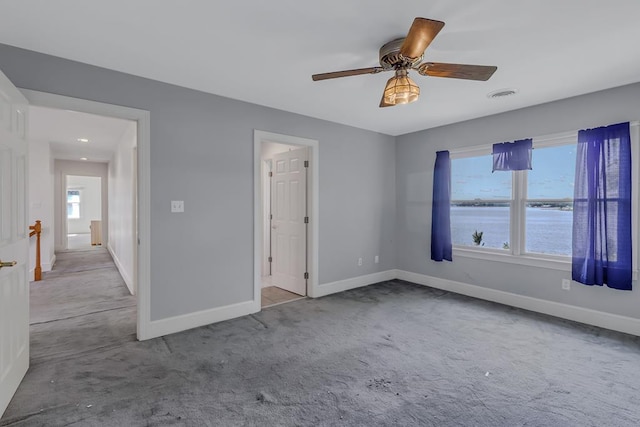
{"x": 481, "y": 151}
{"x": 79, "y": 203}
{"x": 516, "y": 253}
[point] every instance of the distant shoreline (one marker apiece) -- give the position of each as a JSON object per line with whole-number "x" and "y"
{"x": 545, "y": 206}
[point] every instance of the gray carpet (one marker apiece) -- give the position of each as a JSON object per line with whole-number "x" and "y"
{"x": 82, "y": 305}
{"x": 390, "y": 354}
{"x": 80, "y": 260}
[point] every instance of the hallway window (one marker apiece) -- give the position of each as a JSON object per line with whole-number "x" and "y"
{"x": 73, "y": 204}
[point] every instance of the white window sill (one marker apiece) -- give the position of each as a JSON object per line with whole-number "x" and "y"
{"x": 554, "y": 263}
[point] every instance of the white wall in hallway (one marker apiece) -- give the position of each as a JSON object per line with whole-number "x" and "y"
{"x": 41, "y": 203}
{"x": 271, "y": 148}
{"x": 90, "y": 203}
{"x": 121, "y": 206}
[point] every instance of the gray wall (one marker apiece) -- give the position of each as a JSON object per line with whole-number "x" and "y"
{"x": 415, "y": 157}
{"x": 202, "y": 153}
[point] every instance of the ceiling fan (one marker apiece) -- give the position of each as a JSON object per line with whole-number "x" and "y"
{"x": 404, "y": 54}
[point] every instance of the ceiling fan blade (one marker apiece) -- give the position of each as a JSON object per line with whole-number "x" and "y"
{"x": 347, "y": 73}
{"x": 457, "y": 71}
{"x": 421, "y": 34}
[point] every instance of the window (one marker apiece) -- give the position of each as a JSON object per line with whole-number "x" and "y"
{"x": 73, "y": 204}
{"x": 549, "y": 200}
{"x": 519, "y": 212}
{"x": 480, "y": 203}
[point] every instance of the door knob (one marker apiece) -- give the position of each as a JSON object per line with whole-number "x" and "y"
{"x": 7, "y": 263}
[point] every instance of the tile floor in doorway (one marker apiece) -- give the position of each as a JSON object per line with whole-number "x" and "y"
{"x": 273, "y": 295}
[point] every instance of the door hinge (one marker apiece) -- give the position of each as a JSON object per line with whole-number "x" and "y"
{"x": 306, "y": 163}
{"x": 306, "y": 220}
{"x": 306, "y": 275}
{"x": 270, "y": 259}
{"x": 270, "y": 174}
{"x": 271, "y": 216}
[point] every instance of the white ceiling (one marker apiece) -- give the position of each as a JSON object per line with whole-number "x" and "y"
{"x": 62, "y": 129}
{"x": 264, "y": 52}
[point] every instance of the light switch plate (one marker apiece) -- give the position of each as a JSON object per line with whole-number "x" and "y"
{"x": 177, "y": 206}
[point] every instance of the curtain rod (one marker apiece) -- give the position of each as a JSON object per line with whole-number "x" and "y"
{"x": 538, "y": 139}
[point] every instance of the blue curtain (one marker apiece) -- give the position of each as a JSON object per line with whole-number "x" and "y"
{"x": 441, "y": 208}
{"x": 512, "y": 156}
{"x": 602, "y": 208}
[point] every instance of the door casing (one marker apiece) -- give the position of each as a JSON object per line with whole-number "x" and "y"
{"x": 143, "y": 178}
{"x": 260, "y": 136}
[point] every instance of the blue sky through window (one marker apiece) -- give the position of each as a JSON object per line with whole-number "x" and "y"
{"x": 471, "y": 178}
{"x": 552, "y": 176}
{"x": 553, "y": 172}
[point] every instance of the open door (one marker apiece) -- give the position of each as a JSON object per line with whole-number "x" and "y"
{"x": 288, "y": 223}
{"x": 14, "y": 241}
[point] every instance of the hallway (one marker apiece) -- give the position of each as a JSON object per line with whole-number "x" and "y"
{"x": 81, "y": 306}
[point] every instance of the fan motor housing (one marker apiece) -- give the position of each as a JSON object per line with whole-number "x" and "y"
{"x": 390, "y": 56}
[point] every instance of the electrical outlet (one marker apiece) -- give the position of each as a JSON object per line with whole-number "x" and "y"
{"x": 177, "y": 206}
{"x": 376, "y": 259}
{"x": 566, "y": 284}
{"x": 359, "y": 262}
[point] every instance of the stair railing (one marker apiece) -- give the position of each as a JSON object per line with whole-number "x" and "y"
{"x": 36, "y": 230}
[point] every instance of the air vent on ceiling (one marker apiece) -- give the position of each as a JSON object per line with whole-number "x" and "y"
{"x": 501, "y": 93}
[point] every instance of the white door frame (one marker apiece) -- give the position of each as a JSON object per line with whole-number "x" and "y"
{"x": 312, "y": 196}
{"x": 142, "y": 117}
{"x": 266, "y": 211}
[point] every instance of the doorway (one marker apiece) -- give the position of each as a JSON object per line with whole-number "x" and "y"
{"x": 140, "y": 201}
{"x": 285, "y": 223}
{"x": 285, "y": 218}
{"x": 83, "y": 195}
{"x": 92, "y": 280}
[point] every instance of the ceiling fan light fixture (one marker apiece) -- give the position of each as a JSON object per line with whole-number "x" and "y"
{"x": 407, "y": 53}
{"x": 400, "y": 89}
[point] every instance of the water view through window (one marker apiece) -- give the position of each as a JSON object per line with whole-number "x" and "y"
{"x": 548, "y": 228}
{"x": 481, "y": 200}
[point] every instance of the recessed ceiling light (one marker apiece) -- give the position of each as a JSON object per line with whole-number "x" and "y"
{"x": 501, "y": 93}
{"x": 83, "y": 140}
{"x": 83, "y": 158}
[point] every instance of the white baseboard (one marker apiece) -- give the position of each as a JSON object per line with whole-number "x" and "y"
{"x": 183, "y": 322}
{"x": 128, "y": 280}
{"x": 614, "y": 322}
{"x": 170, "y": 325}
{"x": 351, "y": 283}
{"x": 47, "y": 266}
{"x": 583, "y": 315}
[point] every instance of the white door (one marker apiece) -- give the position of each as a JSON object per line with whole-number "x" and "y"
{"x": 14, "y": 241}
{"x": 288, "y": 228}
